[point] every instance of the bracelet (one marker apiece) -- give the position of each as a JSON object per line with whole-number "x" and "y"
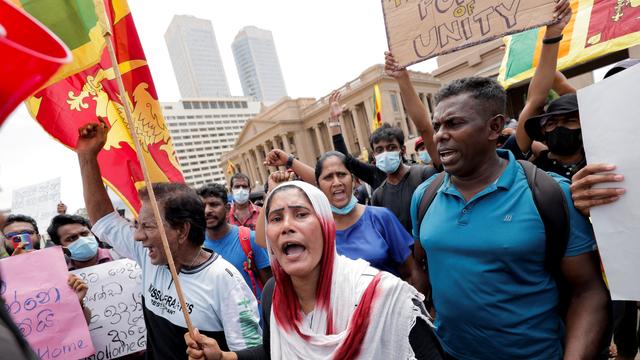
{"x": 334, "y": 124}
{"x": 290, "y": 161}
{"x": 553, "y": 40}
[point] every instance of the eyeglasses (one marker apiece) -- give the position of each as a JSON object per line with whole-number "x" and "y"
{"x": 19, "y": 233}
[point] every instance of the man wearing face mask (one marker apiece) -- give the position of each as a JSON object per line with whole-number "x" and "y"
{"x": 559, "y": 129}
{"x": 73, "y": 233}
{"x": 22, "y": 236}
{"x": 236, "y": 244}
{"x": 559, "y": 126}
{"x": 243, "y": 212}
{"x": 421, "y": 149}
{"x": 397, "y": 189}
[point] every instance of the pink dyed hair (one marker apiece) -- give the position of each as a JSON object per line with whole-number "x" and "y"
{"x": 285, "y": 305}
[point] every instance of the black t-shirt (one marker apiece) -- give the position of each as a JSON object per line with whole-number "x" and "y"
{"x": 397, "y": 198}
{"x": 545, "y": 163}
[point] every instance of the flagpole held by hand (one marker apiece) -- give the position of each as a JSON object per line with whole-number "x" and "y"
{"x": 145, "y": 172}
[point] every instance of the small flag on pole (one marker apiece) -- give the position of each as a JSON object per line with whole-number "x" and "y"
{"x": 377, "y": 108}
{"x": 231, "y": 169}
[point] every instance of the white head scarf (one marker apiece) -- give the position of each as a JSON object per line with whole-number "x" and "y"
{"x": 349, "y": 293}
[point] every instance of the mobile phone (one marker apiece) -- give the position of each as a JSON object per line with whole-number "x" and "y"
{"x": 22, "y": 238}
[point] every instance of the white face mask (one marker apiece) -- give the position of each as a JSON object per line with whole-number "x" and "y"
{"x": 240, "y": 196}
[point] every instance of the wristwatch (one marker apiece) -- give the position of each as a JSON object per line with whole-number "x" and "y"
{"x": 290, "y": 161}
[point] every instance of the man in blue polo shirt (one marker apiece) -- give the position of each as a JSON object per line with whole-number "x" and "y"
{"x": 224, "y": 239}
{"x": 485, "y": 242}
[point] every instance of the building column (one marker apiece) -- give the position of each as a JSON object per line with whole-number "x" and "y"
{"x": 345, "y": 133}
{"x": 252, "y": 168}
{"x": 403, "y": 117}
{"x": 362, "y": 141}
{"x": 301, "y": 137}
{"x": 267, "y": 149}
{"x": 285, "y": 143}
{"x": 368, "y": 112}
{"x": 248, "y": 170}
{"x": 316, "y": 130}
{"x": 261, "y": 167}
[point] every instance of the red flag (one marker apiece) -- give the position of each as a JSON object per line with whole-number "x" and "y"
{"x": 78, "y": 99}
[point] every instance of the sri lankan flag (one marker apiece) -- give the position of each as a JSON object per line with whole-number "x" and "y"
{"x": 231, "y": 168}
{"x": 597, "y": 28}
{"x": 376, "y": 121}
{"x": 88, "y": 90}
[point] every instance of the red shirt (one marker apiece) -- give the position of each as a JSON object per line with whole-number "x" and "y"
{"x": 250, "y": 222}
{"x": 104, "y": 255}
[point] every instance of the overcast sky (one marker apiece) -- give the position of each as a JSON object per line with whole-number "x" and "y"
{"x": 321, "y": 46}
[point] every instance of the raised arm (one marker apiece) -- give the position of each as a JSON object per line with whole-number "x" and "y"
{"x": 544, "y": 77}
{"x": 416, "y": 109}
{"x": 277, "y": 157}
{"x": 362, "y": 170}
{"x": 561, "y": 85}
{"x": 91, "y": 139}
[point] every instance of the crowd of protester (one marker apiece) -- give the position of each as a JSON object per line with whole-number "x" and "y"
{"x": 472, "y": 253}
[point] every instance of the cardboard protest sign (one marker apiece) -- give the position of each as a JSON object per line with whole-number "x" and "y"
{"x": 421, "y": 29}
{"x": 115, "y": 300}
{"x": 39, "y": 201}
{"x": 45, "y": 309}
{"x": 609, "y": 117}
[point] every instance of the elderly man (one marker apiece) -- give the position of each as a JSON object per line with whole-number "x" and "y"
{"x": 218, "y": 300}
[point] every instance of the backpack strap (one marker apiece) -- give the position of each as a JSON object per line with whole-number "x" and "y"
{"x": 554, "y": 212}
{"x": 267, "y": 297}
{"x": 427, "y": 198}
{"x": 249, "y": 265}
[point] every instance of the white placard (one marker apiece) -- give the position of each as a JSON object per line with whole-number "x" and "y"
{"x": 610, "y": 118}
{"x": 115, "y": 300}
{"x": 40, "y": 201}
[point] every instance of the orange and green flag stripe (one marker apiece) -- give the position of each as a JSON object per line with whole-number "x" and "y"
{"x": 75, "y": 22}
{"x": 597, "y": 28}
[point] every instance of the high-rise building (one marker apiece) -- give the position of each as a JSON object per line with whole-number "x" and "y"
{"x": 203, "y": 129}
{"x": 195, "y": 58}
{"x": 258, "y": 66}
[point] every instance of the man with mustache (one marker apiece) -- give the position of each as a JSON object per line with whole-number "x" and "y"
{"x": 227, "y": 240}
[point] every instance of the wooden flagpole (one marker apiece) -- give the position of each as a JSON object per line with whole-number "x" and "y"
{"x": 147, "y": 180}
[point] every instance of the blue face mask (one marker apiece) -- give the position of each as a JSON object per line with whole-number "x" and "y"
{"x": 424, "y": 156}
{"x": 388, "y": 161}
{"x": 347, "y": 208}
{"x": 241, "y": 196}
{"x": 83, "y": 249}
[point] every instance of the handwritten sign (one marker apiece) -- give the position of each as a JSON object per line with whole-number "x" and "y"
{"x": 115, "y": 300}
{"x": 39, "y": 201}
{"x": 45, "y": 309}
{"x": 421, "y": 29}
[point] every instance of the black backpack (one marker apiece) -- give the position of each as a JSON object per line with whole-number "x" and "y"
{"x": 554, "y": 212}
